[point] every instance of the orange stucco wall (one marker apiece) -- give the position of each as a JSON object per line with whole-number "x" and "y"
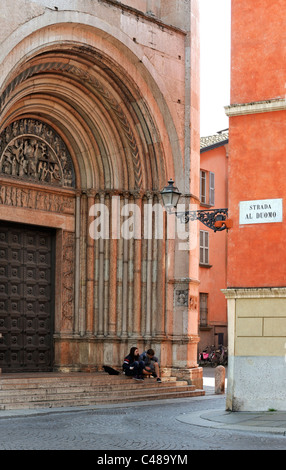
{"x": 257, "y": 255}
{"x": 257, "y": 164}
{"x": 213, "y": 279}
{"x": 258, "y": 50}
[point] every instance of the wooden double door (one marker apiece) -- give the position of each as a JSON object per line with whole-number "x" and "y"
{"x": 27, "y": 269}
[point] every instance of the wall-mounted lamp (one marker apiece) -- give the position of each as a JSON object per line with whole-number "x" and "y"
{"x": 215, "y": 219}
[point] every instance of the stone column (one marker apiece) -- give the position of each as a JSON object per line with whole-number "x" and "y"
{"x": 89, "y": 270}
{"x": 148, "y": 324}
{"x": 144, "y": 244}
{"x": 119, "y": 274}
{"x": 113, "y": 253}
{"x": 96, "y": 280}
{"x": 77, "y": 260}
{"x": 101, "y": 241}
{"x": 82, "y": 267}
{"x": 137, "y": 270}
{"x": 159, "y": 310}
{"x": 125, "y": 325}
{"x": 106, "y": 267}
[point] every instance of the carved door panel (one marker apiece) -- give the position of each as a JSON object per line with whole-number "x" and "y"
{"x": 26, "y": 298}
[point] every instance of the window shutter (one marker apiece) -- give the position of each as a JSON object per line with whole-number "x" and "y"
{"x": 201, "y": 246}
{"x": 212, "y": 189}
{"x": 204, "y": 247}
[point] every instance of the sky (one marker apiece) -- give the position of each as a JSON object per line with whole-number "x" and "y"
{"x": 215, "y": 64}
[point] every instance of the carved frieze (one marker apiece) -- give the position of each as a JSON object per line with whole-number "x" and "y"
{"x": 34, "y": 199}
{"x": 31, "y": 150}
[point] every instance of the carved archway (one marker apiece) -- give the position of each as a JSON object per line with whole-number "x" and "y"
{"x": 108, "y": 290}
{"x": 100, "y": 112}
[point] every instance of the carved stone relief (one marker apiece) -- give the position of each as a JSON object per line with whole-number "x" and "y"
{"x": 181, "y": 297}
{"x": 30, "y": 150}
{"x": 33, "y": 199}
{"x": 68, "y": 280}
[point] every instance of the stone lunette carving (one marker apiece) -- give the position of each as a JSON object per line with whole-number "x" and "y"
{"x": 30, "y": 150}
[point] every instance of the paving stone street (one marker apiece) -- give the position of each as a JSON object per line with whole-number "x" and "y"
{"x": 156, "y": 426}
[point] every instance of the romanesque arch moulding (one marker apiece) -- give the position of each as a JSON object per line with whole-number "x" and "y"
{"x": 111, "y": 116}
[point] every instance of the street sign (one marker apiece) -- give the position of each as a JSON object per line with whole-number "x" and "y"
{"x": 261, "y": 211}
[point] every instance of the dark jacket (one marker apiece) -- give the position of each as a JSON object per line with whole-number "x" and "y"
{"x": 147, "y": 361}
{"x": 130, "y": 367}
{"x": 128, "y": 361}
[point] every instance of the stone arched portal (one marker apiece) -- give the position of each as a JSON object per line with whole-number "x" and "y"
{"x": 103, "y": 146}
{"x": 104, "y": 118}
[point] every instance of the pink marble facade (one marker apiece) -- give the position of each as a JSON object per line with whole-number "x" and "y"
{"x": 117, "y": 84}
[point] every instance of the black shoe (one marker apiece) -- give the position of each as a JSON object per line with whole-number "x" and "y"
{"x": 159, "y": 380}
{"x": 138, "y": 378}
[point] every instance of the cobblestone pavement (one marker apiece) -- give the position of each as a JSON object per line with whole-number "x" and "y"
{"x": 144, "y": 426}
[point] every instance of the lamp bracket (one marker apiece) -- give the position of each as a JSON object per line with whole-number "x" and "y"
{"x": 209, "y": 218}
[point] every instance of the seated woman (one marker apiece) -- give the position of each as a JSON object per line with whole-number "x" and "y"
{"x": 132, "y": 366}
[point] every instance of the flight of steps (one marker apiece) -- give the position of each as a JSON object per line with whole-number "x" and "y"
{"x": 54, "y": 390}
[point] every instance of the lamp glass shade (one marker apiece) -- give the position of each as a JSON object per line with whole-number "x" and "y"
{"x": 170, "y": 195}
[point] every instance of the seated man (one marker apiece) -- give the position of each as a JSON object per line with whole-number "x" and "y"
{"x": 151, "y": 364}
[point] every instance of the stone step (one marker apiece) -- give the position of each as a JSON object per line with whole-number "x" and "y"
{"x": 85, "y": 401}
{"x": 11, "y": 385}
{"x": 82, "y": 391}
{"x": 43, "y": 381}
{"x": 89, "y": 388}
{"x": 79, "y": 389}
{"x": 132, "y": 385}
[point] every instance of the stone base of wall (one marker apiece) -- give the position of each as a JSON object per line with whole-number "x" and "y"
{"x": 257, "y": 349}
{"x": 256, "y": 384}
{"x": 194, "y": 375}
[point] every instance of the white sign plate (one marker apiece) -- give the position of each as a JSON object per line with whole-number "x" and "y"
{"x": 261, "y": 212}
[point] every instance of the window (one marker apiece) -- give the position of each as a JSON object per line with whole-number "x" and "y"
{"x": 207, "y": 187}
{"x": 203, "y": 187}
{"x": 203, "y": 309}
{"x": 204, "y": 247}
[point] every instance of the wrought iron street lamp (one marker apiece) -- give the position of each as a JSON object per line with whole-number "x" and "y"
{"x": 215, "y": 219}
